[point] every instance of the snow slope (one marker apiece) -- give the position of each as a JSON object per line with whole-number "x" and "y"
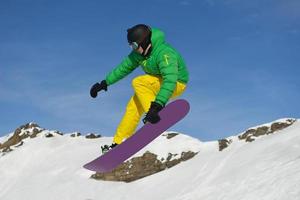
{"x": 50, "y": 169}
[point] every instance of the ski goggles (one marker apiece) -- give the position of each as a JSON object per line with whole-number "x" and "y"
{"x": 134, "y": 45}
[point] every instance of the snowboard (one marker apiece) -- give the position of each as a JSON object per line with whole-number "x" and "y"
{"x": 170, "y": 115}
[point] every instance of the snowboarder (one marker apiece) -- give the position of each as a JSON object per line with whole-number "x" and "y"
{"x": 166, "y": 77}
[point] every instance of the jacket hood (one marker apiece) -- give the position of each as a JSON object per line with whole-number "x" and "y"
{"x": 157, "y": 38}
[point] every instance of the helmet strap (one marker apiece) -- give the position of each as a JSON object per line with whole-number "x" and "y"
{"x": 147, "y": 51}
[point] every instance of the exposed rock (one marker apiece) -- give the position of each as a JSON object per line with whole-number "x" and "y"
{"x": 35, "y": 131}
{"x": 279, "y": 125}
{"x": 13, "y": 140}
{"x": 247, "y": 134}
{"x": 29, "y": 126}
{"x": 6, "y": 150}
{"x": 20, "y": 134}
{"x": 187, "y": 155}
{"x": 49, "y": 135}
{"x": 170, "y": 135}
{"x": 251, "y": 134}
{"x": 58, "y": 133}
{"x": 18, "y": 131}
{"x": 20, "y": 144}
{"x": 92, "y": 136}
{"x": 224, "y": 143}
{"x": 76, "y": 134}
{"x": 170, "y": 156}
{"x": 264, "y": 130}
{"x": 249, "y": 139}
{"x": 139, "y": 167}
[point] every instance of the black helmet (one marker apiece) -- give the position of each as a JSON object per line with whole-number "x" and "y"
{"x": 140, "y": 34}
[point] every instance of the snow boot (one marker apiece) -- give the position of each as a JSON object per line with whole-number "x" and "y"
{"x": 106, "y": 148}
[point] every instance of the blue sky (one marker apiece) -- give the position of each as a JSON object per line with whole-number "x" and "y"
{"x": 243, "y": 58}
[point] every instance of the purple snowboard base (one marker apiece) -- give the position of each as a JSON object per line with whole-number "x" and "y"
{"x": 170, "y": 115}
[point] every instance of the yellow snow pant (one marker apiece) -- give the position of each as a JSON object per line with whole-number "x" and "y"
{"x": 145, "y": 88}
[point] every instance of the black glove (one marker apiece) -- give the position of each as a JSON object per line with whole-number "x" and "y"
{"x": 97, "y": 87}
{"x": 152, "y": 115}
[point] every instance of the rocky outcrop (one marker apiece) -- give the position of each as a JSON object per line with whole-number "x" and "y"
{"x": 224, "y": 143}
{"x": 29, "y": 126}
{"x": 58, "y": 133}
{"x": 6, "y": 149}
{"x": 92, "y": 136}
{"x": 170, "y": 135}
{"x": 251, "y": 134}
{"x": 35, "y": 132}
{"x": 76, "y": 134}
{"x": 140, "y": 167}
{"x": 280, "y": 125}
{"x": 28, "y": 130}
{"x": 49, "y": 135}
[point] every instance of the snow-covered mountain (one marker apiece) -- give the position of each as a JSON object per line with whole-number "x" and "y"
{"x": 261, "y": 163}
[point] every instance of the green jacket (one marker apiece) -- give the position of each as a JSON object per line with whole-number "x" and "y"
{"x": 163, "y": 61}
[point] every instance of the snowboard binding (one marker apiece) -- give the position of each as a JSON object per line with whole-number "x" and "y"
{"x": 106, "y": 148}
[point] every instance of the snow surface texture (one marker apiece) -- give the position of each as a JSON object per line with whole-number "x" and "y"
{"x": 51, "y": 169}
